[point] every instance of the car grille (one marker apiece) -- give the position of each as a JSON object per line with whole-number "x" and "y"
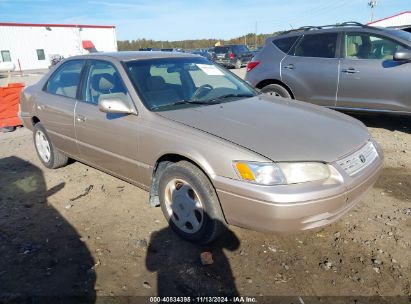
{"x": 359, "y": 160}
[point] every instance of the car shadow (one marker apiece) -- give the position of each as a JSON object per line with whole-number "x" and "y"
{"x": 389, "y": 122}
{"x": 395, "y": 182}
{"x": 41, "y": 253}
{"x": 179, "y": 268}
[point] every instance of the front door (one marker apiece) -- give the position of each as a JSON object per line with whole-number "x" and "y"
{"x": 106, "y": 141}
{"x": 311, "y": 70}
{"x": 56, "y": 103}
{"x": 370, "y": 78}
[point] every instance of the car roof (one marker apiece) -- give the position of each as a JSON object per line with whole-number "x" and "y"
{"x": 299, "y": 32}
{"x": 134, "y": 55}
{"x": 337, "y": 29}
{"x": 346, "y": 26}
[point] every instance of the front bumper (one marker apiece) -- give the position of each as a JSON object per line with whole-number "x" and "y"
{"x": 290, "y": 208}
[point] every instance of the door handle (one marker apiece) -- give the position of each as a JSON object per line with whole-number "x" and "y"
{"x": 350, "y": 71}
{"x": 81, "y": 118}
{"x": 289, "y": 67}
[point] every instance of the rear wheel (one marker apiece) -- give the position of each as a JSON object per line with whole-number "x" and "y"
{"x": 238, "y": 64}
{"x": 276, "y": 90}
{"x": 48, "y": 154}
{"x": 190, "y": 204}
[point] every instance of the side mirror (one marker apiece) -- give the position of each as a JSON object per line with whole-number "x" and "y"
{"x": 403, "y": 55}
{"x": 115, "y": 104}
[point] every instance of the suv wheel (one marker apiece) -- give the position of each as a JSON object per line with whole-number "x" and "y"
{"x": 48, "y": 154}
{"x": 190, "y": 204}
{"x": 276, "y": 90}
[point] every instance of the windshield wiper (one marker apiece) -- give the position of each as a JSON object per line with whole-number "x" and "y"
{"x": 184, "y": 101}
{"x": 222, "y": 97}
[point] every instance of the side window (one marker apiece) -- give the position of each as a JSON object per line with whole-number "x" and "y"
{"x": 66, "y": 79}
{"x": 366, "y": 46}
{"x": 40, "y": 54}
{"x": 103, "y": 81}
{"x": 5, "y": 55}
{"x": 317, "y": 45}
{"x": 285, "y": 44}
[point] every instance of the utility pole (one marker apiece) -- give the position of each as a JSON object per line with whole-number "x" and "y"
{"x": 255, "y": 41}
{"x": 372, "y": 4}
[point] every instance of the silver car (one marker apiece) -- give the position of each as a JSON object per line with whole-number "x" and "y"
{"x": 210, "y": 149}
{"x": 348, "y": 67}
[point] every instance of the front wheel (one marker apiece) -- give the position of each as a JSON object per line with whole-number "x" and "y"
{"x": 276, "y": 90}
{"x": 48, "y": 154}
{"x": 190, "y": 204}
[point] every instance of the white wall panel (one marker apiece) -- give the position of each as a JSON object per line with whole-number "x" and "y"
{"x": 23, "y": 41}
{"x": 398, "y": 20}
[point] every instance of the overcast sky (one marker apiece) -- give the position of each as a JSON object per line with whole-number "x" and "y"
{"x": 184, "y": 19}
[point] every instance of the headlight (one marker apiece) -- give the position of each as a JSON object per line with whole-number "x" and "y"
{"x": 304, "y": 172}
{"x": 281, "y": 173}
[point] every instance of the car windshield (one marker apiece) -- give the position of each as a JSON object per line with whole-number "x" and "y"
{"x": 400, "y": 34}
{"x": 171, "y": 83}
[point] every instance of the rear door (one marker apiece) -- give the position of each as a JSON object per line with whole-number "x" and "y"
{"x": 311, "y": 69}
{"x": 56, "y": 103}
{"x": 370, "y": 78}
{"x": 106, "y": 141}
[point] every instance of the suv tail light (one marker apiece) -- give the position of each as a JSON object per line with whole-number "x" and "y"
{"x": 232, "y": 56}
{"x": 252, "y": 64}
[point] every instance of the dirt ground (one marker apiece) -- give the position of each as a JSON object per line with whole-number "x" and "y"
{"x": 78, "y": 231}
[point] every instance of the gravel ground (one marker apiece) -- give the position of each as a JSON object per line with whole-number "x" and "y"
{"x": 78, "y": 231}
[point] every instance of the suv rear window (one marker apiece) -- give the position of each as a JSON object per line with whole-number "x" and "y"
{"x": 221, "y": 49}
{"x": 285, "y": 44}
{"x": 317, "y": 45}
{"x": 242, "y": 49}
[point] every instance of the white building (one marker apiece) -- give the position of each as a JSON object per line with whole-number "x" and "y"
{"x": 31, "y": 46}
{"x": 399, "y": 20}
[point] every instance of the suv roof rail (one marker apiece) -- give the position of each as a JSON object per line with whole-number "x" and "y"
{"x": 320, "y": 27}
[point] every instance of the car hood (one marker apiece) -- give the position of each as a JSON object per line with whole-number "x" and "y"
{"x": 279, "y": 129}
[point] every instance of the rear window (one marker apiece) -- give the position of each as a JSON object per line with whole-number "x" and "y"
{"x": 243, "y": 49}
{"x": 221, "y": 49}
{"x": 285, "y": 44}
{"x": 65, "y": 80}
{"x": 318, "y": 45}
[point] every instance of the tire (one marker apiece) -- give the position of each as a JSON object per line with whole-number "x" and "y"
{"x": 238, "y": 64}
{"x": 276, "y": 90}
{"x": 188, "y": 198}
{"x": 48, "y": 154}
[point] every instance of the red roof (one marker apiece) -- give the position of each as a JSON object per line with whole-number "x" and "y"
{"x": 88, "y": 45}
{"x": 396, "y": 15}
{"x": 55, "y": 25}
